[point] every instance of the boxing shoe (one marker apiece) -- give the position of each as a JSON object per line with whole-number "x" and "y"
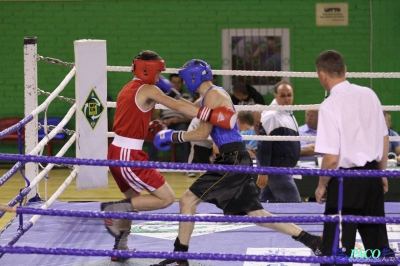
{"x": 172, "y": 262}
{"x": 117, "y": 226}
{"x": 121, "y": 243}
{"x": 311, "y": 241}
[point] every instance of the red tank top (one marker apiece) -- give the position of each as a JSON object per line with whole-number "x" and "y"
{"x": 129, "y": 120}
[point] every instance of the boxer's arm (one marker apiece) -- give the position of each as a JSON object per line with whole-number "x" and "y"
{"x": 223, "y": 116}
{"x": 218, "y": 109}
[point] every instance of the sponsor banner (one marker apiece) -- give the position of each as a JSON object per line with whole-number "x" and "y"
{"x": 278, "y": 252}
{"x": 169, "y": 230}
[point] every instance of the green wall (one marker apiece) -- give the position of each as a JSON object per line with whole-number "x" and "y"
{"x": 181, "y": 30}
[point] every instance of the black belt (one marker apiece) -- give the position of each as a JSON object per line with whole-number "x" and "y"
{"x": 369, "y": 165}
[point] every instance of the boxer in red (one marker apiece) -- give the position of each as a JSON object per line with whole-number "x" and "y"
{"x": 135, "y": 105}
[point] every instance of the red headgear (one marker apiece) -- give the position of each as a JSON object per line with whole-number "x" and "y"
{"x": 146, "y": 70}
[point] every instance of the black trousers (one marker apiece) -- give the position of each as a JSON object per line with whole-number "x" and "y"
{"x": 362, "y": 197}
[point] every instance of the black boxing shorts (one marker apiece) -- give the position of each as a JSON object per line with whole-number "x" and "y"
{"x": 234, "y": 193}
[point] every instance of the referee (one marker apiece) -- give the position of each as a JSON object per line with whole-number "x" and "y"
{"x": 351, "y": 134}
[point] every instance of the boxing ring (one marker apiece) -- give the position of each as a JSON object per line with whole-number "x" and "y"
{"x": 58, "y": 233}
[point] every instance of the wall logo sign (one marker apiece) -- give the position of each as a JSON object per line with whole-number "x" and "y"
{"x": 92, "y": 108}
{"x": 332, "y": 14}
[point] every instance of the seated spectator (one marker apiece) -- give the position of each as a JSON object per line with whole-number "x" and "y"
{"x": 308, "y": 129}
{"x": 394, "y": 146}
{"x": 257, "y": 122}
{"x": 201, "y": 151}
{"x": 173, "y": 120}
{"x": 243, "y": 94}
{"x": 245, "y": 124}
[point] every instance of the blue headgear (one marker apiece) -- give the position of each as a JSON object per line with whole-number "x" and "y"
{"x": 194, "y": 73}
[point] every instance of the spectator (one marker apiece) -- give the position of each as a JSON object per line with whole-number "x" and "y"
{"x": 352, "y": 135}
{"x": 308, "y": 129}
{"x": 257, "y": 122}
{"x": 201, "y": 150}
{"x": 279, "y": 153}
{"x": 173, "y": 120}
{"x": 245, "y": 124}
{"x": 394, "y": 146}
{"x": 243, "y": 94}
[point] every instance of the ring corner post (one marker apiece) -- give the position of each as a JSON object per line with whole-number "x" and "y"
{"x": 30, "y": 104}
{"x": 91, "y": 115}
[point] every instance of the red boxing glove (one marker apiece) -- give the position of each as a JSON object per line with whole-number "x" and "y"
{"x": 155, "y": 126}
{"x": 222, "y": 116}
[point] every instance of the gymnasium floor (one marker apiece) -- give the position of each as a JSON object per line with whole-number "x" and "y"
{"x": 229, "y": 238}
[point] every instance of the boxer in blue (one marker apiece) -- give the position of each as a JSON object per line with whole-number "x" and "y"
{"x": 234, "y": 193}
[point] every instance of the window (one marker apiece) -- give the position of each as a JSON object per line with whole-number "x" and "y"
{"x": 258, "y": 50}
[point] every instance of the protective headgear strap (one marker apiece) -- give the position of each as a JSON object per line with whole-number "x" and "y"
{"x": 146, "y": 70}
{"x": 194, "y": 73}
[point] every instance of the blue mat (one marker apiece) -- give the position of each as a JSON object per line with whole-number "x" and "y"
{"x": 83, "y": 233}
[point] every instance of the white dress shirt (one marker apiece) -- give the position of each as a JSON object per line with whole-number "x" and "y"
{"x": 351, "y": 124}
{"x": 271, "y": 120}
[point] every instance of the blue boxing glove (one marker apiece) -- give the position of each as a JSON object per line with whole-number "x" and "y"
{"x": 164, "y": 138}
{"x": 165, "y": 85}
